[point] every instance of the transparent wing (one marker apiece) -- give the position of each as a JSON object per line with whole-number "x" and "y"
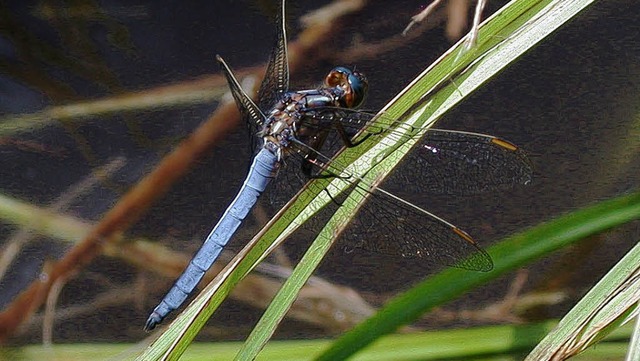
{"x": 390, "y": 225}
{"x": 461, "y": 163}
{"x": 249, "y": 111}
{"x": 443, "y": 161}
{"x": 276, "y": 78}
{"x": 351, "y": 121}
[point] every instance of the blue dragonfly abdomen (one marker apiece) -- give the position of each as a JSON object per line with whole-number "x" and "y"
{"x": 279, "y": 131}
{"x": 261, "y": 172}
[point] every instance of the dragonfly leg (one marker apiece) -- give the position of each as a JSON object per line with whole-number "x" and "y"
{"x": 346, "y": 138}
{"x": 333, "y": 199}
{"x": 355, "y": 144}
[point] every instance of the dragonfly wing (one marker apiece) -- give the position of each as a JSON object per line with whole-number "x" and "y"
{"x": 250, "y": 112}
{"x": 453, "y": 162}
{"x": 276, "y": 78}
{"x": 389, "y": 225}
{"x": 287, "y": 183}
{"x": 303, "y": 163}
{"x": 351, "y": 121}
{"x": 386, "y": 224}
{"x": 443, "y": 161}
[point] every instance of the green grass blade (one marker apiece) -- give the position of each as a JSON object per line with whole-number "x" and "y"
{"x": 609, "y": 304}
{"x": 634, "y": 344}
{"x": 453, "y": 344}
{"x": 509, "y": 254}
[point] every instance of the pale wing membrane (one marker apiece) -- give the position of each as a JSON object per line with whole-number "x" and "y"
{"x": 350, "y": 120}
{"x": 462, "y": 163}
{"x": 389, "y": 225}
{"x": 276, "y": 78}
{"x": 249, "y": 111}
{"x": 444, "y": 161}
{"x": 287, "y": 183}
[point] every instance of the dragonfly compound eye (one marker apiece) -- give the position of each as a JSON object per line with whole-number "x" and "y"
{"x": 353, "y": 83}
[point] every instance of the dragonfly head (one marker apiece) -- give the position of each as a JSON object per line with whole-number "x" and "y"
{"x": 353, "y": 83}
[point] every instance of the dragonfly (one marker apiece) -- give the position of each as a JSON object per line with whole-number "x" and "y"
{"x": 295, "y": 129}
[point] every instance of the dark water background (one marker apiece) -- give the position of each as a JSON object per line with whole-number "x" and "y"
{"x": 572, "y": 103}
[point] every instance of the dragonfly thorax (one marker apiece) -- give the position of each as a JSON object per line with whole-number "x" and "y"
{"x": 287, "y": 116}
{"x": 342, "y": 88}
